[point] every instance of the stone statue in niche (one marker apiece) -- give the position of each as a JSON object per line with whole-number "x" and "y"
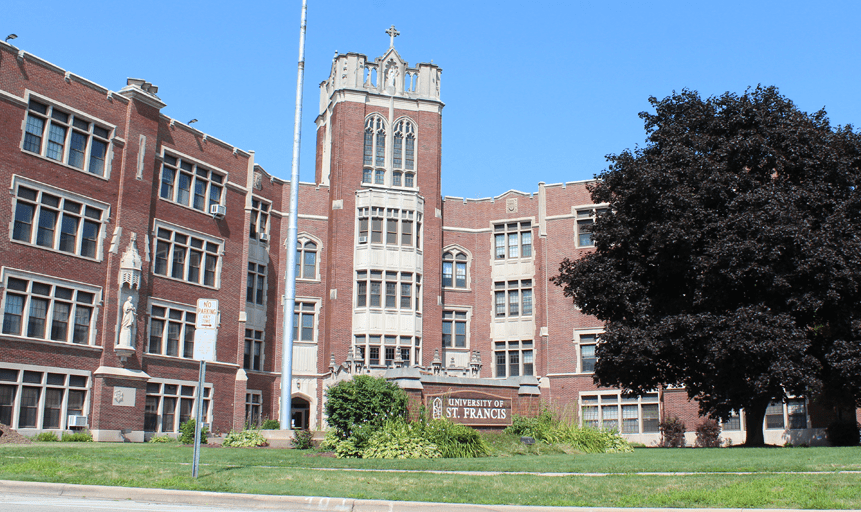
{"x": 127, "y": 326}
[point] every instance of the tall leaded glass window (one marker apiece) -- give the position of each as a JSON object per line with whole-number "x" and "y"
{"x": 374, "y": 154}
{"x": 403, "y": 154}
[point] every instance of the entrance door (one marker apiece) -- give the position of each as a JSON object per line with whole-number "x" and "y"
{"x": 301, "y": 410}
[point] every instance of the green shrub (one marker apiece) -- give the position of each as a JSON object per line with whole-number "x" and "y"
{"x": 302, "y": 439}
{"x": 161, "y": 439}
{"x": 77, "y": 437}
{"x": 550, "y": 430}
{"x": 398, "y": 439}
{"x": 672, "y": 433}
{"x": 363, "y": 400}
{"x": 708, "y": 434}
{"x": 270, "y": 424}
{"x": 187, "y": 433}
{"x": 843, "y": 433}
{"x": 590, "y": 440}
{"x": 46, "y": 437}
{"x": 538, "y": 427}
{"x": 244, "y": 439}
{"x": 455, "y": 440}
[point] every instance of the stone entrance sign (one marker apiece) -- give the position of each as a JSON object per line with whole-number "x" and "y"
{"x": 472, "y": 408}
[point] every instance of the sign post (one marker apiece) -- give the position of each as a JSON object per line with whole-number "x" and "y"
{"x": 205, "y": 334}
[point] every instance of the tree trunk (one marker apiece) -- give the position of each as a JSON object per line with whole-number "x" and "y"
{"x": 753, "y": 423}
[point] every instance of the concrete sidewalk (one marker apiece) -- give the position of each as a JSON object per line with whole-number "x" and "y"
{"x": 299, "y": 503}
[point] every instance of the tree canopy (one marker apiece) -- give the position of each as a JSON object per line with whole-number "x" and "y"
{"x": 730, "y": 261}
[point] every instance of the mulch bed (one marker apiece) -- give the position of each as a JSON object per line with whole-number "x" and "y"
{"x": 9, "y": 436}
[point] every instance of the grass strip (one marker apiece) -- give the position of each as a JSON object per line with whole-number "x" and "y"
{"x": 290, "y": 472}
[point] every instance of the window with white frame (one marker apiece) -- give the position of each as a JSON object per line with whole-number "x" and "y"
{"x": 513, "y": 358}
{"x": 170, "y": 403}
{"x": 454, "y": 269}
{"x": 304, "y": 320}
{"x": 187, "y": 256}
{"x": 56, "y": 219}
{"x": 512, "y": 240}
{"x": 790, "y": 414}
{"x": 254, "y": 345}
{"x": 455, "y": 329}
{"x": 625, "y": 414}
{"x": 374, "y": 151}
{"x": 259, "y": 223}
{"x": 389, "y": 290}
{"x": 41, "y": 397}
{"x": 306, "y": 259}
{"x": 188, "y": 183}
{"x": 733, "y": 422}
{"x": 54, "y": 310}
{"x": 256, "y": 284}
{"x": 585, "y": 220}
{"x": 513, "y": 298}
{"x": 375, "y": 350}
{"x": 586, "y": 345}
{"x": 171, "y": 329}
{"x": 253, "y": 408}
{"x": 403, "y": 154}
{"x": 389, "y": 226}
{"x": 70, "y": 138}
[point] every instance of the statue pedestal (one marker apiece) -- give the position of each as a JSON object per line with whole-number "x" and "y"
{"x": 124, "y": 352}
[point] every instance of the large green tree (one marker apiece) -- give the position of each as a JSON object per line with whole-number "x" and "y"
{"x": 730, "y": 263}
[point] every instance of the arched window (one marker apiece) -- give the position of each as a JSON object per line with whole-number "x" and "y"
{"x": 306, "y": 259}
{"x": 375, "y": 151}
{"x": 403, "y": 155}
{"x": 454, "y": 269}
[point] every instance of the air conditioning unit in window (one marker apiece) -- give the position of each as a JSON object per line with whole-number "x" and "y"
{"x": 77, "y": 421}
{"x": 217, "y": 210}
{"x": 264, "y": 237}
{"x": 363, "y": 239}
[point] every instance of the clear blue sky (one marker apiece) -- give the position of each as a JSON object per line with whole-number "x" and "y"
{"x": 536, "y": 91}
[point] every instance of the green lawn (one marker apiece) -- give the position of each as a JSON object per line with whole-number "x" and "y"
{"x": 293, "y": 472}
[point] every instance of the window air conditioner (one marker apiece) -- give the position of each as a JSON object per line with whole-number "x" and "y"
{"x": 217, "y": 210}
{"x": 264, "y": 237}
{"x": 77, "y": 421}
{"x": 363, "y": 239}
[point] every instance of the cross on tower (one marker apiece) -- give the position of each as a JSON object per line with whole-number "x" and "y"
{"x": 393, "y": 33}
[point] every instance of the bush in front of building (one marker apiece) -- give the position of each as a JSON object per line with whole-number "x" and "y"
{"x": 399, "y": 439}
{"x": 672, "y": 433}
{"x": 708, "y": 434}
{"x": 77, "y": 437}
{"x": 162, "y": 439}
{"x": 536, "y": 427}
{"x": 249, "y": 438}
{"x": 302, "y": 439}
{"x": 46, "y": 437}
{"x": 187, "y": 433}
{"x": 547, "y": 428}
{"x": 843, "y": 433}
{"x": 363, "y": 400}
{"x": 270, "y": 424}
{"x": 454, "y": 439}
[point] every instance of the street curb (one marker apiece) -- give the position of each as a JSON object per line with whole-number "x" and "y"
{"x": 297, "y": 503}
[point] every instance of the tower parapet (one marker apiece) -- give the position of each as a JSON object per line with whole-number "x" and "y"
{"x": 388, "y": 75}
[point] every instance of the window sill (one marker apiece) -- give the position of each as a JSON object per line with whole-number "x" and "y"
{"x": 176, "y": 280}
{"x": 70, "y": 167}
{"x": 51, "y": 343}
{"x": 191, "y": 208}
{"x": 57, "y": 251}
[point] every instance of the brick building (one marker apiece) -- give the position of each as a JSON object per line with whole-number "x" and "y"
{"x": 120, "y": 218}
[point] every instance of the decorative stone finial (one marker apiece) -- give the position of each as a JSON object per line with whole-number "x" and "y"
{"x": 393, "y": 33}
{"x": 130, "y": 265}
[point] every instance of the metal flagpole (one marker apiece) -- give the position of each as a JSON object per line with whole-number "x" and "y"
{"x": 198, "y": 419}
{"x": 292, "y": 229}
